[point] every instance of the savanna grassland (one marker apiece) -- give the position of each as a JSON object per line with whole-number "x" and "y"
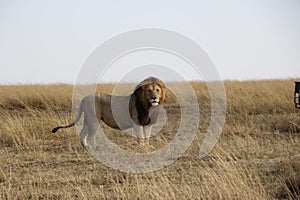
{"x": 256, "y": 157}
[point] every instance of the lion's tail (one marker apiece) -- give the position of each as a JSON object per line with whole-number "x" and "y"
{"x": 79, "y": 112}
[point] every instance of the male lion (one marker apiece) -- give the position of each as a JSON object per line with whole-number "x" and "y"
{"x": 138, "y": 111}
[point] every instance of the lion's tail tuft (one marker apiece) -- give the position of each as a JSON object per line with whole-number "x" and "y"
{"x": 56, "y": 128}
{"x": 79, "y": 112}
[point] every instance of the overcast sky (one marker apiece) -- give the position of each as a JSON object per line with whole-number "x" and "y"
{"x": 48, "y": 41}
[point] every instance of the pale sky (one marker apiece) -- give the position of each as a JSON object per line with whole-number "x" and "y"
{"x": 48, "y": 41}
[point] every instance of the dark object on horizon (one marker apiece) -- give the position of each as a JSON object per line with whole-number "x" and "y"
{"x": 297, "y": 94}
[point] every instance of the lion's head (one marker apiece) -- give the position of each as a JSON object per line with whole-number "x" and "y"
{"x": 151, "y": 91}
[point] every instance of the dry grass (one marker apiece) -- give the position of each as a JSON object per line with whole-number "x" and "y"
{"x": 257, "y": 156}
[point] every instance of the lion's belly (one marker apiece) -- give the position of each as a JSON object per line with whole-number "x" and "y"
{"x": 117, "y": 120}
{"x": 114, "y": 111}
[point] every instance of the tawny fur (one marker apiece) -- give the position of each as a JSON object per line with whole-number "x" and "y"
{"x": 138, "y": 111}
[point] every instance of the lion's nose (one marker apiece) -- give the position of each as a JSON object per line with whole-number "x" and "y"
{"x": 153, "y": 97}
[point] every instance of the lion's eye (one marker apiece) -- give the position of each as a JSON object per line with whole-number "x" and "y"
{"x": 149, "y": 91}
{"x": 157, "y": 90}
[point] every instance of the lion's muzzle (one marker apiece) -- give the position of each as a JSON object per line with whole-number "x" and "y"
{"x": 154, "y": 102}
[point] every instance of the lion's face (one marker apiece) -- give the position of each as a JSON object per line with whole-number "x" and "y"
{"x": 154, "y": 94}
{"x": 150, "y": 91}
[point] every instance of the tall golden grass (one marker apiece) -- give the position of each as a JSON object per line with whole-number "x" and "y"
{"x": 257, "y": 156}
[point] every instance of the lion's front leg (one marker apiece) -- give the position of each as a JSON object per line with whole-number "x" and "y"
{"x": 139, "y": 132}
{"x": 147, "y": 132}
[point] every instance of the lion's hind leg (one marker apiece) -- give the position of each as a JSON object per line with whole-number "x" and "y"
{"x": 87, "y": 135}
{"x": 82, "y": 135}
{"x": 92, "y": 130}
